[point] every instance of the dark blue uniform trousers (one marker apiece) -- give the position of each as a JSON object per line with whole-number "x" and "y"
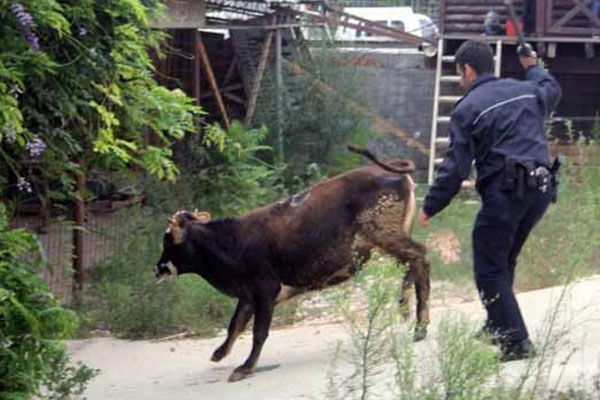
{"x": 501, "y": 228}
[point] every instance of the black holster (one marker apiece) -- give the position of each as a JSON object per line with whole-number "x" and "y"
{"x": 521, "y": 176}
{"x": 554, "y": 168}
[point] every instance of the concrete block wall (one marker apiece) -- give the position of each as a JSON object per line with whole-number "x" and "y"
{"x": 397, "y": 86}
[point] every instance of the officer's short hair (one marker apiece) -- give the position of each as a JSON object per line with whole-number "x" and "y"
{"x": 477, "y": 54}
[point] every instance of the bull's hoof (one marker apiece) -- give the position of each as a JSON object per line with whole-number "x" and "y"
{"x": 219, "y": 354}
{"x": 420, "y": 333}
{"x": 239, "y": 373}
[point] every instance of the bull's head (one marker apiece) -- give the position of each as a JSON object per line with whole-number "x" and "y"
{"x": 174, "y": 250}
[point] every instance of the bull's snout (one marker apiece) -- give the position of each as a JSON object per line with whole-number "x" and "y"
{"x": 165, "y": 270}
{"x": 161, "y": 269}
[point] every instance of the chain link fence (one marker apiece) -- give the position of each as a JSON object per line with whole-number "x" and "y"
{"x": 102, "y": 234}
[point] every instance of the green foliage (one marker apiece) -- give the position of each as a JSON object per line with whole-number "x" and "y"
{"x": 318, "y": 124}
{"x": 31, "y": 325}
{"x": 461, "y": 367}
{"x": 225, "y": 174}
{"x": 77, "y": 81}
{"x": 466, "y": 364}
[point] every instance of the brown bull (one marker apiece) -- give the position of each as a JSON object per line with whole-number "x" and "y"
{"x": 313, "y": 240}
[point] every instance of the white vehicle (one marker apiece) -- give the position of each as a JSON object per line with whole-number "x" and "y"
{"x": 402, "y": 18}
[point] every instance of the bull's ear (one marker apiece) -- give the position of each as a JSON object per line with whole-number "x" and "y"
{"x": 177, "y": 225}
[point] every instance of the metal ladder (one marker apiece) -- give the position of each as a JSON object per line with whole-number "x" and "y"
{"x": 438, "y": 98}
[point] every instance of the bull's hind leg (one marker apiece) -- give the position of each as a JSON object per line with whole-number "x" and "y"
{"x": 241, "y": 316}
{"x": 405, "y": 292}
{"x": 412, "y": 254}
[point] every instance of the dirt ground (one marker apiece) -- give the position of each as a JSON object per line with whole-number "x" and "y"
{"x": 295, "y": 361}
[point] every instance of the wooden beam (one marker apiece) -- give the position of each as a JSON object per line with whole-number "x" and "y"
{"x": 442, "y": 16}
{"x": 568, "y": 16}
{"x": 231, "y": 88}
{"x": 229, "y": 73}
{"x": 201, "y": 51}
{"x": 541, "y": 22}
{"x": 255, "y": 89}
{"x": 234, "y": 98}
{"x": 378, "y": 123}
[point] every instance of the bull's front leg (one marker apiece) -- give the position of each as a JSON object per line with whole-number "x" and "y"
{"x": 237, "y": 325}
{"x": 263, "y": 314}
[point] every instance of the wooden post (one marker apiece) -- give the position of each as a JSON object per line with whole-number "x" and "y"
{"x": 201, "y": 50}
{"x": 279, "y": 74}
{"x": 78, "y": 225}
{"x": 197, "y": 93}
{"x": 262, "y": 62}
{"x": 540, "y": 17}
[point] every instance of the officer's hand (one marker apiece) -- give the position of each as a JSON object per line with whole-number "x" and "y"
{"x": 529, "y": 60}
{"x": 423, "y": 219}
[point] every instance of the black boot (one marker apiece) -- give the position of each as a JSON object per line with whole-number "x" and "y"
{"x": 517, "y": 350}
{"x": 487, "y": 334}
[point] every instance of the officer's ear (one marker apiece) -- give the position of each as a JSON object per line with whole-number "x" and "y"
{"x": 469, "y": 72}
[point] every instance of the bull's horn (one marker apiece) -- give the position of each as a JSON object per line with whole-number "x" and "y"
{"x": 202, "y": 216}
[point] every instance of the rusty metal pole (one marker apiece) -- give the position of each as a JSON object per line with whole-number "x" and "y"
{"x": 279, "y": 74}
{"x": 78, "y": 224}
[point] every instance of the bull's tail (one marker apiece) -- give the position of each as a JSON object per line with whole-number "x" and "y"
{"x": 407, "y": 165}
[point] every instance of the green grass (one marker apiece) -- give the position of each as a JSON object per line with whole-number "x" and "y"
{"x": 384, "y": 362}
{"x": 569, "y": 230}
{"x": 125, "y": 299}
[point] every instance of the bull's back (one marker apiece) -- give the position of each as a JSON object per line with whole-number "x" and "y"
{"x": 312, "y": 233}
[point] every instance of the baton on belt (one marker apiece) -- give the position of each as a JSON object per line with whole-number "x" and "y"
{"x": 524, "y": 49}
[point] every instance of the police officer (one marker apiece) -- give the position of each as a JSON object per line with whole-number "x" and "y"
{"x": 499, "y": 123}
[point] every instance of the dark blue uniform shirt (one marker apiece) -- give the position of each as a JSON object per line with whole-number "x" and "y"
{"x": 495, "y": 120}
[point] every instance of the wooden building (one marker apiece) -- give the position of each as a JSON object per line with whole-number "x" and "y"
{"x": 566, "y": 36}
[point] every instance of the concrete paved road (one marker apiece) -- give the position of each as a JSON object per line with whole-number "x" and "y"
{"x": 295, "y": 361}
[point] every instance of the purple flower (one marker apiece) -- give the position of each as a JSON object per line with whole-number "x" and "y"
{"x": 34, "y": 41}
{"x": 36, "y": 147}
{"x": 82, "y": 31}
{"x": 26, "y": 21}
{"x": 23, "y": 185}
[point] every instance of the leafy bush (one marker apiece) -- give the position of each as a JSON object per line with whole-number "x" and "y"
{"x": 223, "y": 174}
{"x": 77, "y": 94}
{"x": 318, "y": 124}
{"x": 385, "y": 363}
{"x": 32, "y": 358}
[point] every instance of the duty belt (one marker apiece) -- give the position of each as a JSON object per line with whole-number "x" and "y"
{"x": 520, "y": 176}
